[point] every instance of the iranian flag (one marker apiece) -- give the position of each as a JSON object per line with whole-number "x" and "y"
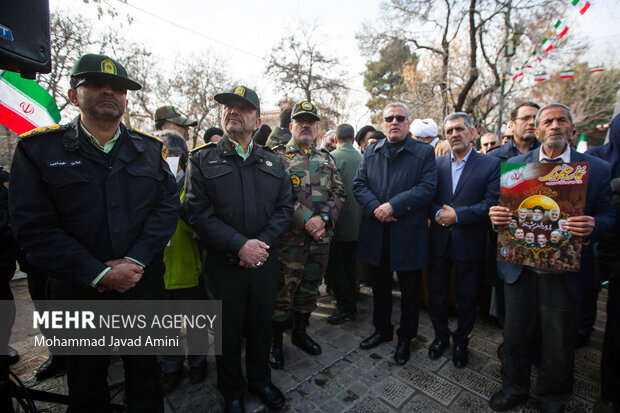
{"x": 546, "y": 44}
{"x": 519, "y": 73}
{"x": 24, "y": 105}
{"x": 561, "y": 29}
{"x": 581, "y": 5}
{"x": 535, "y": 54}
{"x": 518, "y": 176}
{"x": 567, "y": 74}
{"x": 597, "y": 69}
{"x": 541, "y": 77}
{"x": 582, "y": 144}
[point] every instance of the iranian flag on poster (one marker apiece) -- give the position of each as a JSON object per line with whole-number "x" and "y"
{"x": 581, "y": 5}
{"x": 541, "y": 197}
{"x": 24, "y": 104}
{"x": 567, "y": 74}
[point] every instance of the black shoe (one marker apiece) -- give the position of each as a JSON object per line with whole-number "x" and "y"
{"x": 374, "y": 340}
{"x": 52, "y": 367}
{"x": 197, "y": 374}
{"x": 271, "y": 396}
{"x": 276, "y": 357}
{"x": 403, "y": 351}
{"x": 12, "y": 356}
{"x": 339, "y": 318}
{"x": 582, "y": 341}
{"x": 437, "y": 347}
{"x": 234, "y": 406}
{"x": 459, "y": 356}
{"x": 300, "y": 338}
{"x": 170, "y": 381}
{"x": 500, "y": 402}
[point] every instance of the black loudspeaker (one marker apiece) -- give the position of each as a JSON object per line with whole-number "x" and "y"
{"x": 25, "y": 36}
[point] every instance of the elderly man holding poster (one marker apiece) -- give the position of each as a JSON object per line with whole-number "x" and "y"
{"x": 550, "y": 297}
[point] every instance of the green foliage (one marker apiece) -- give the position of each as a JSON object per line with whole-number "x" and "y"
{"x": 384, "y": 78}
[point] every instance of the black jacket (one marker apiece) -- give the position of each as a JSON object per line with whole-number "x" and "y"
{"x": 509, "y": 150}
{"x": 73, "y": 207}
{"x": 229, "y": 200}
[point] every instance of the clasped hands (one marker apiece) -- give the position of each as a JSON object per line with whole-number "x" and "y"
{"x": 384, "y": 213}
{"x": 315, "y": 227}
{"x": 123, "y": 275}
{"x": 253, "y": 254}
{"x": 446, "y": 216}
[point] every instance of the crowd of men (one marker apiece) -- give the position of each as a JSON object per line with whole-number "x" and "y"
{"x": 97, "y": 210}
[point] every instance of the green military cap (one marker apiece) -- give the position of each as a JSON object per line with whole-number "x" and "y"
{"x": 171, "y": 114}
{"x": 304, "y": 107}
{"x": 101, "y": 66}
{"x": 239, "y": 93}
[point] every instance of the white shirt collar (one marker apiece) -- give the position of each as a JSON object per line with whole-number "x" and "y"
{"x": 434, "y": 142}
{"x": 565, "y": 155}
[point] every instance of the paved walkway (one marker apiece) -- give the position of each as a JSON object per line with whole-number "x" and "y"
{"x": 345, "y": 378}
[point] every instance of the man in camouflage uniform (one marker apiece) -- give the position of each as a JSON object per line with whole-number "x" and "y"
{"x": 318, "y": 191}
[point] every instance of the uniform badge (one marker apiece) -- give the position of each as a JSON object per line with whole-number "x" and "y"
{"x": 108, "y": 66}
{"x": 6, "y": 185}
{"x": 269, "y": 163}
{"x": 295, "y": 180}
{"x": 289, "y": 155}
{"x": 328, "y": 183}
{"x": 239, "y": 90}
{"x": 306, "y": 105}
{"x": 163, "y": 154}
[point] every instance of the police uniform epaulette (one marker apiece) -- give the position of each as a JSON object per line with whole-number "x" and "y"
{"x": 146, "y": 134}
{"x": 47, "y": 129}
{"x": 206, "y": 145}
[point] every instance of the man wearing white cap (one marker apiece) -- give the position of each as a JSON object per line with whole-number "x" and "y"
{"x": 425, "y": 130}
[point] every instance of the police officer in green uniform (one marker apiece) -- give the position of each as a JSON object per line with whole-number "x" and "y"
{"x": 319, "y": 192}
{"x": 239, "y": 201}
{"x": 94, "y": 204}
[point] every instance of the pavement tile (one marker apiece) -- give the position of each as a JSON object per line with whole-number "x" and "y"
{"x": 492, "y": 368}
{"x": 332, "y": 406}
{"x": 488, "y": 332}
{"x": 370, "y": 404}
{"x": 305, "y": 406}
{"x": 436, "y": 387}
{"x": 587, "y": 389}
{"x": 468, "y": 402}
{"x": 420, "y": 357}
{"x": 421, "y": 403}
{"x": 487, "y": 348}
{"x": 470, "y": 380}
{"x": 347, "y": 396}
{"x": 587, "y": 371}
{"x": 393, "y": 391}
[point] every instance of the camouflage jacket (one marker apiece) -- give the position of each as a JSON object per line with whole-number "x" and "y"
{"x": 318, "y": 188}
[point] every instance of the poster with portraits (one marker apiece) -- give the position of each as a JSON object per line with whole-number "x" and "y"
{"x": 541, "y": 197}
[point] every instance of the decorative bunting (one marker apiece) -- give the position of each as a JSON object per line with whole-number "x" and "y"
{"x": 541, "y": 77}
{"x": 597, "y": 69}
{"x": 561, "y": 29}
{"x": 519, "y": 73}
{"x": 567, "y": 74}
{"x": 546, "y": 44}
{"x": 581, "y": 5}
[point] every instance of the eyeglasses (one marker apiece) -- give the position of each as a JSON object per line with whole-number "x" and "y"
{"x": 390, "y": 119}
{"x": 526, "y": 118}
{"x": 99, "y": 84}
{"x": 489, "y": 143}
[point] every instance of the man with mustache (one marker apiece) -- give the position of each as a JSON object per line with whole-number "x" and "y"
{"x": 238, "y": 201}
{"x": 318, "y": 192}
{"x": 551, "y": 298}
{"x": 93, "y": 203}
{"x": 467, "y": 186}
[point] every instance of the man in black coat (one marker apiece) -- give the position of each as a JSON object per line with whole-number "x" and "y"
{"x": 394, "y": 185}
{"x": 239, "y": 201}
{"x": 93, "y": 204}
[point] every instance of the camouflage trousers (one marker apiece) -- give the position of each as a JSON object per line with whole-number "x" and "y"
{"x": 301, "y": 271}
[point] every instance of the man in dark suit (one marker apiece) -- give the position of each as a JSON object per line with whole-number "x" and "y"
{"x": 467, "y": 186}
{"x": 395, "y": 184}
{"x": 550, "y": 298}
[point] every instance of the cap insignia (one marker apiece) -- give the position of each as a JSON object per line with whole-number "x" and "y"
{"x": 108, "y": 66}
{"x": 239, "y": 90}
{"x": 306, "y": 105}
